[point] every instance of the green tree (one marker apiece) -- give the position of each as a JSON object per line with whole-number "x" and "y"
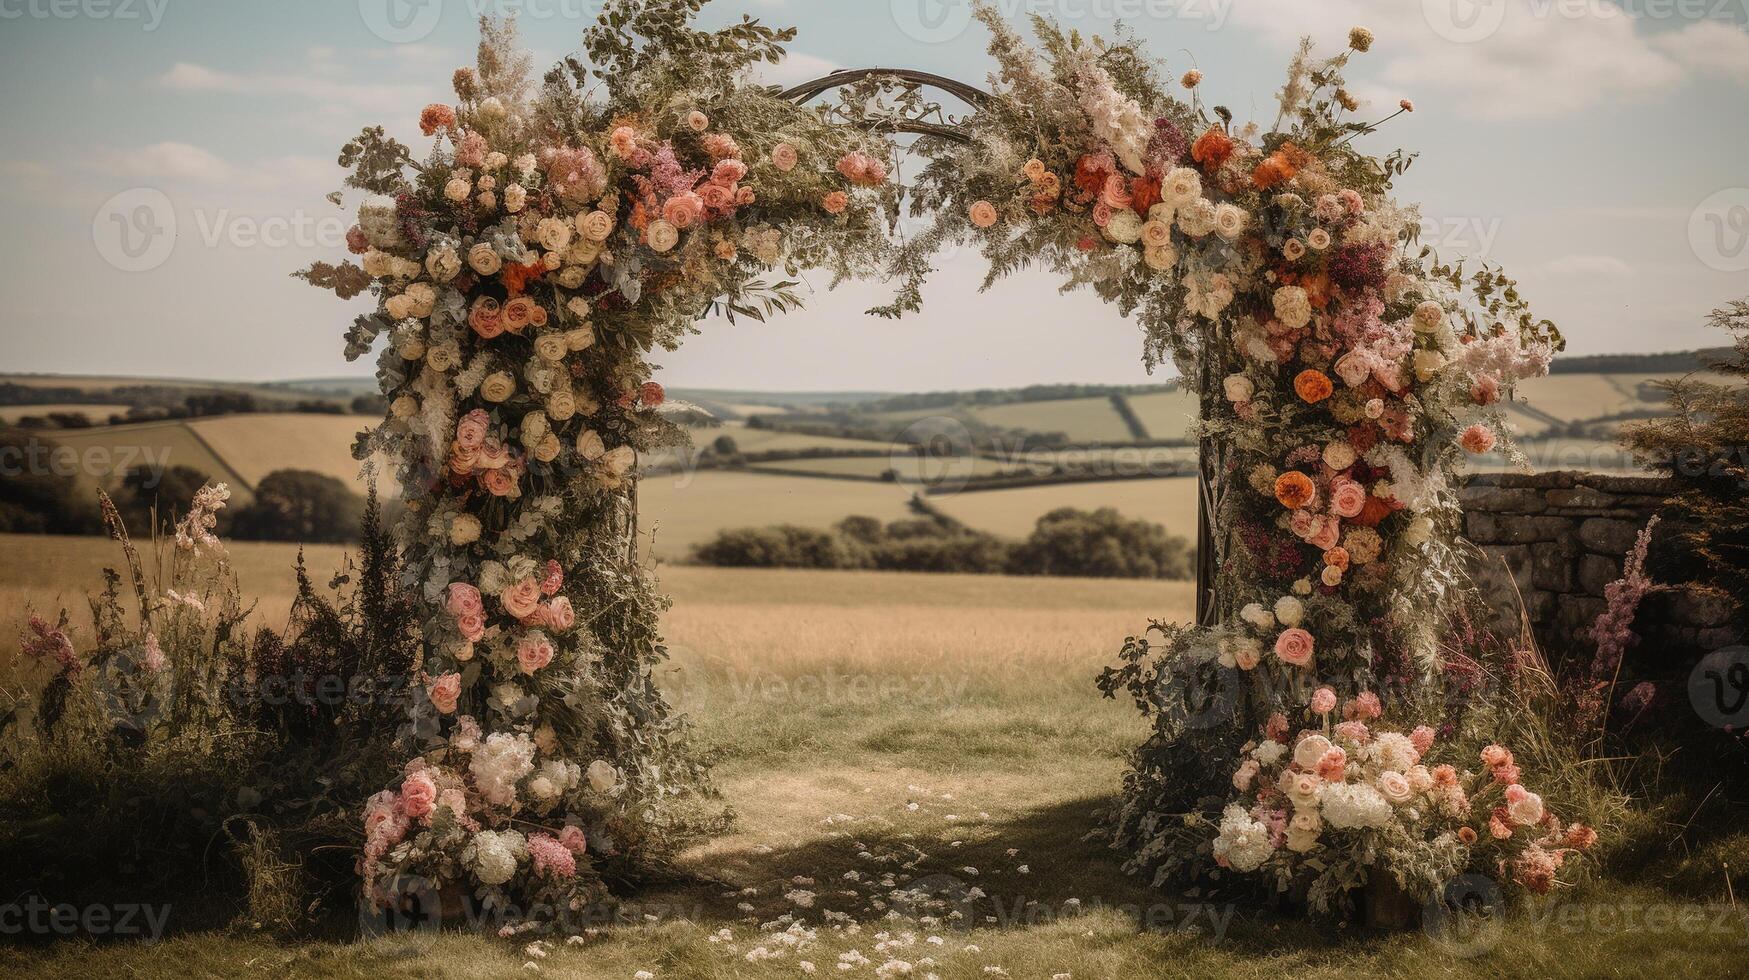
{"x": 1102, "y": 544}
{"x": 144, "y": 488}
{"x": 40, "y": 492}
{"x": 298, "y": 505}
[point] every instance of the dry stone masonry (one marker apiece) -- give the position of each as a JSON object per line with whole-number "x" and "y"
{"x": 1562, "y": 537}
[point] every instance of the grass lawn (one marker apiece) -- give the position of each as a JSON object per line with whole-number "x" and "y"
{"x": 879, "y": 735}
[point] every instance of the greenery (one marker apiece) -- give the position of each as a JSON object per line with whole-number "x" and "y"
{"x": 298, "y": 505}
{"x": 37, "y": 497}
{"x": 179, "y": 760}
{"x": 1066, "y": 542}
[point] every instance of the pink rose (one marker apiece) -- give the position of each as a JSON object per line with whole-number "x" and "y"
{"x": 784, "y": 157}
{"x": 560, "y": 615}
{"x": 1495, "y": 756}
{"x": 572, "y": 837}
{"x": 472, "y": 626}
{"x": 1347, "y": 499}
{"x": 554, "y": 580}
{"x": 521, "y": 598}
{"x": 534, "y": 652}
{"x": 1301, "y": 523}
{"x": 1294, "y": 646}
{"x": 728, "y": 173}
{"x": 418, "y": 794}
{"x": 470, "y": 432}
{"x": 445, "y": 691}
{"x": 683, "y": 210}
{"x": 464, "y": 600}
{"x": 1365, "y": 706}
{"x": 1327, "y": 535}
{"x": 1116, "y": 194}
{"x": 1354, "y": 368}
{"x": 1324, "y": 701}
{"x": 745, "y": 196}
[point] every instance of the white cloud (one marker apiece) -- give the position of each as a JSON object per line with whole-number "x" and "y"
{"x": 795, "y": 69}
{"x": 1589, "y": 267}
{"x": 1711, "y": 46}
{"x": 1519, "y": 61}
{"x": 172, "y": 160}
{"x": 319, "y": 83}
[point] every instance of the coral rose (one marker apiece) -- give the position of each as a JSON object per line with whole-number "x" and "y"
{"x": 522, "y": 598}
{"x": 983, "y": 214}
{"x": 836, "y": 202}
{"x": 534, "y": 652}
{"x": 1478, "y": 439}
{"x": 1347, "y": 499}
{"x": 445, "y": 692}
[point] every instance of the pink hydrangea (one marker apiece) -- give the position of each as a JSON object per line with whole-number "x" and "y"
{"x": 1421, "y": 738}
{"x": 1355, "y": 731}
{"x": 550, "y": 857}
{"x": 1364, "y": 707}
{"x": 572, "y": 837}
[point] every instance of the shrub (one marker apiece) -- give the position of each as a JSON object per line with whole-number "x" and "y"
{"x": 1102, "y": 544}
{"x": 147, "y": 489}
{"x": 782, "y": 546}
{"x": 1703, "y": 443}
{"x": 37, "y": 494}
{"x": 299, "y": 505}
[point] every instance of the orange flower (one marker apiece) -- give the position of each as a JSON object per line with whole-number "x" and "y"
{"x": 1212, "y": 149}
{"x": 1375, "y": 511}
{"x": 1313, "y": 386}
{"x": 1089, "y": 175}
{"x": 1144, "y": 193}
{"x": 1275, "y": 169}
{"x": 1294, "y": 490}
{"x": 1337, "y": 558}
{"x": 516, "y": 277}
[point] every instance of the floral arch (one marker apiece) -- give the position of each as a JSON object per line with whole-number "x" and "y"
{"x": 557, "y": 233}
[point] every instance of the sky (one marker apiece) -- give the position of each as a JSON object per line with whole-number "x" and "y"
{"x": 1598, "y": 149}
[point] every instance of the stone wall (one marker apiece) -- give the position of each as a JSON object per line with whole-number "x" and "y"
{"x": 1562, "y": 537}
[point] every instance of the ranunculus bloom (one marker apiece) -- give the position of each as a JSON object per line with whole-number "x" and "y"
{"x": 983, "y": 214}
{"x": 1312, "y": 386}
{"x": 1495, "y": 756}
{"x": 485, "y": 318}
{"x": 1295, "y": 490}
{"x": 836, "y": 202}
{"x": 1478, "y": 439}
{"x": 1294, "y": 646}
{"x": 684, "y": 210}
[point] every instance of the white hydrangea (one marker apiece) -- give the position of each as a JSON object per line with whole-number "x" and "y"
{"x": 1269, "y": 752}
{"x": 493, "y": 854}
{"x": 1393, "y": 751}
{"x": 499, "y": 764}
{"x": 1244, "y": 842}
{"x": 1351, "y": 806}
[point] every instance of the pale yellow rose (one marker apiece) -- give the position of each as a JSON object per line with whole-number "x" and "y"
{"x": 498, "y": 387}
{"x": 551, "y": 346}
{"x": 595, "y": 225}
{"x": 484, "y": 259}
{"x": 561, "y": 404}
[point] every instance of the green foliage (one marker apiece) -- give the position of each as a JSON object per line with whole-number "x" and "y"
{"x": 1703, "y": 444}
{"x": 38, "y": 496}
{"x": 1067, "y": 541}
{"x": 299, "y": 505}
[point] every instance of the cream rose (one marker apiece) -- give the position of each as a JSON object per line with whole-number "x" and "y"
{"x": 1395, "y": 788}
{"x": 553, "y": 235}
{"x": 551, "y": 347}
{"x": 498, "y": 387}
{"x": 561, "y": 404}
{"x": 484, "y": 259}
{"x": 662, "y": 236}
{"x": 595, "y": 226}
{"x": 1238, "y": 388}
{"x": 590, "y": 446}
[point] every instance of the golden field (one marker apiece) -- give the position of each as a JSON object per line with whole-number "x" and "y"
{"x": 939, "y": 728}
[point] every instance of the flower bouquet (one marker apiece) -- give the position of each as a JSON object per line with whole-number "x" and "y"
{"x": 1320, "y": 810}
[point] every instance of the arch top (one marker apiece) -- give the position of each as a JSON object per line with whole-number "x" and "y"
{"x": 969, "y": 94}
